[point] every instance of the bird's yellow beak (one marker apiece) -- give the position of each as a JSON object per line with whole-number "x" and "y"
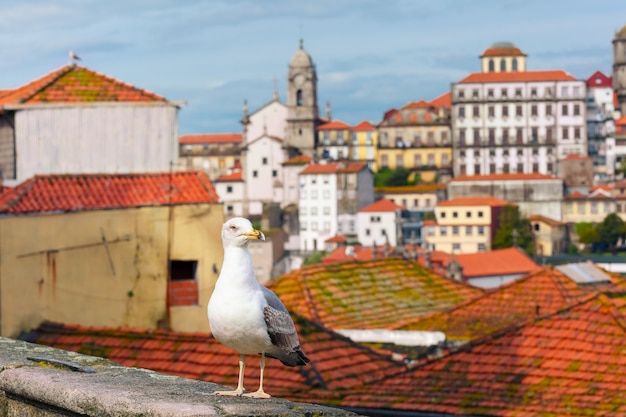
{"x": 255, "y": 234}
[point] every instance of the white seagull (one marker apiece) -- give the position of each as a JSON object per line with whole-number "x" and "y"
{"x": 73, "y": 56}
{"x": 246, "y": 316}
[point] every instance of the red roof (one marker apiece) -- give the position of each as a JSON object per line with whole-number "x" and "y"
{"x": 475, "y": 201}
{"x": 364, "y": 126}
{"x": 621, "y": 121}
{"x": 444, "y": 100}
{"x": 73, "y": 83}
{"x": 336, "y": 239}
{"x": 368, "y": 294}
{"x": 233, "y": 176}
{"x": 416, "y": 105}
{"x": 210, "y": 138}
{"x": 513, "y": 51}
{"x": 504, "y": 177}
{"x": 336, "y": 362}
{"x": 599, "y": 79}
{"x": 496, "y": 262}
{"x": 576, "y": 157}
{"x": 525, "y": 76}
{"x": 298, "y": 160}
{"x": 570, "y": 363}
{"x": 334, "y": 167}
{"x": 81, "y": 192}
{"x": 544, "y": 219}
{"x": 382, "y": 205}
{"x": 334, "y": 125}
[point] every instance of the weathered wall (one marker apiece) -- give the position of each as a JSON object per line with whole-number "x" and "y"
{"x": 7, "y": 146}
{"x": 105, "y": 268}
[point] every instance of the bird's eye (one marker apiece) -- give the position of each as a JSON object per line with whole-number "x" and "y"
{"x": 233, "y": 227}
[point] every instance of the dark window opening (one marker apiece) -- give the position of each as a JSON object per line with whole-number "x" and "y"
{"x": 183, "y": 270}
{"x": 299, "y": 98}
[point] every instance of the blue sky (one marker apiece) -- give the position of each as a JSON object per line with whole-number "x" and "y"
{"x": 370, "y": 55}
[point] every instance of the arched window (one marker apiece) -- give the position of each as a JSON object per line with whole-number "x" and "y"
{"x": 502, "y": 65}
{"x": 492, "y": 66}
{"x": 299, "y": 98}
{"x": 514, "y": 64}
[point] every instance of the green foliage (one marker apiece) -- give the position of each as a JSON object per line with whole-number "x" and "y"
{"x": 511, "y": 219}
{"x": 429, "y": 215}
{"x": 572, "y": 249}
{"x": 391, "y": 178}
{"x": 610, "y": 231}
{"x": 315, "y": 258}
{"x": 587, "y": 233}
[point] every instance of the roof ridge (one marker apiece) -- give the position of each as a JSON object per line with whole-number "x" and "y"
{"x": 58, "y": 73}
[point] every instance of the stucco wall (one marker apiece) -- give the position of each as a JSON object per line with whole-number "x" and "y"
{"x": 57, "y": 267}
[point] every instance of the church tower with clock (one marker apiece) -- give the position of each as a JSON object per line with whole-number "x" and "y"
{"x": 302, "y": 110}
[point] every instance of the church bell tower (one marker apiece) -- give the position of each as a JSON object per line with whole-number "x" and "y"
{"x": 619, "y": 68}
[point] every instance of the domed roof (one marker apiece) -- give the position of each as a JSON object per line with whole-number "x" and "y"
{"x": 503, "y": 49}
{"x": 301, "y": 58}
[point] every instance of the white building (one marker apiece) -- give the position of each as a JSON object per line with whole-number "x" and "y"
{"x": 230, "y": 189}
{"x": 75, "y": 120}
{"x": 330, "y": 196}
{"x": 601, "y": 126}
{"x": 263, "y": 167}
{"x": 510, "y": 120}
{"x": 378, "y": 223}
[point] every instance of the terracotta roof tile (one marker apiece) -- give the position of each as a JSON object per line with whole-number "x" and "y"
{"x": 298, "y": 160}
{"x": 210, "y": 138}
{"x": 334, "y": 125}
{"x": 524, "y": 76}
{"x": 73, "y": 83}
{"x": 368, "y": 294}
{"x": 422, "y": 104}
{"x": 569, "y": 363}
{"x": 364, "y": 126}
{"x": 233, "y": 176}
{"x": 496, "y": 262}
{"x": 334, "y": 167}
{"x": 80, "y": 192}
{"x": 444, "y": 100}
{"x": 504, "y": 177}
{"x": 475, "y": 201}
{"x": 544, "y": 219}
{"x": 336, "y": 362}
{"x": 511, "y": 51}
{"x": 382, "y": 205}
{"x": 336, "y": 239}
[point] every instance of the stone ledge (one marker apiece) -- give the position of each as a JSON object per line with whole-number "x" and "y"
{"x": 55, "y": 382}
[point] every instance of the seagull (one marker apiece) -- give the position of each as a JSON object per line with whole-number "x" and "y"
{"x": 246, "y": 316}
{"x": 74, "y": 57}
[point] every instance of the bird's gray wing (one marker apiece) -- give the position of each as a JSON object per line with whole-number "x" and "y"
{"x": 280, "y": 326}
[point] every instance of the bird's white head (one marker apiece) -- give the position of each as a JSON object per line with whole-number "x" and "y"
{"x": 239, "y": 231}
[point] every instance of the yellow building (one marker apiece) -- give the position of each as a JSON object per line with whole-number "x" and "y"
{"x": 138, "y": 250}
{"x": 364, "y": 144}
{"x": 592, "y": 207}
{"x": 334, "y": 140}
{"x": 464, "y": 224}
{"x": 414, "y": 197}
{"x": 551, "y": 237}
{"x": 213, "y": 153}
{"x": 417, "y": 136}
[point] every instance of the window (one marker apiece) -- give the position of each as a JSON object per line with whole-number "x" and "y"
{"x": 299, "y": 98}
{"x": 576, "y": 109}
{"x": 183, "y": 270}
{"x": 461, "y": 93}
{"x": 520, "y": 168}
{"x": 505, "y": 136}
{"x": 564, "y": 109}
{"x": 534, "y": 131}
{"x": 581, "y": 207}
{"x": 384, "y": 161}
{"x": 491, "y": 111}
{"x": 229, "y": 189}
{"x": 502, "y": 65}
{"x": 475, "y": 111}
{"x": 549, "y": 110}
{"x": 476, "y": 136}
{"x": 594, "y": 207}
{"x": 443, "y": 231}
{"x": 340, "y": 138}
{"x": 399, "y": 161}
{"x": 490, "y": 92}
{"x": 549, "y": 134}
{"x": 313, "y": 211}
{"x": 533, "y": 110}
{"x": 455, "y": 230}
{"x": 455, "y": 214}
{"x": 417, "y": 139}
{"x": 417, "y": 160}
{"x": 461, "y": 112}
{"x": 480, "y": 230}
{"x": 481, "y": 247}
{"x": 492, "y": 66}
{"x": 565, "y": 132}
{"x": 518, "y": 111}
{"x": 255, "y": 173}
{"x": 518, "y": 92}
{"x": 229, "y": 209}
{"x": 274, "y": 173}
{"x": 492, "y": 135}
{"x": 444, "y": 137}
{"x": 326, "y": 210}
{"x": 607, "y": 207}
{"x": 443, "y": 214}
{"x": 564, "y": 91}
{"x": 456, "y": 246}
{"x": 577, "y": 133}
{"x": 475, "y": 93}
{"x": 468, "y": 230}
{"x": 504, "y": 92}
{"x": 431, "y": 159}
{"x": 462, "y": 137}
{"x": 477, "y": 169}
{"x": 480, "y": 214}
{"x": 519, "y": 133}
{"x": 533, "y": 92}
{"x": 514, "y": 64}
{"x": 182, "y": 285}
{"x": 535, "y": 167}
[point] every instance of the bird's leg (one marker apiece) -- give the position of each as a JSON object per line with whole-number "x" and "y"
{"x": 260, "y": 393}
{"x": 239, "y": 391}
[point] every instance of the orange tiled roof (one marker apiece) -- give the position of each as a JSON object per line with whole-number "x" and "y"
{"x": 336, "y": 362}
{"x": 576, "y": 157}
{"x": 358, "y": 253}
{"x": 444, "y": 100}
{"x": 336, "y": 239}
{"x": 73, "y": 83}
{"x": 496, "y": 262}
{"x": 364, "y": 126}
{"x": 334, "y": 167}
{"x": 233, "y": 176}
{"x": 196, "y": 138}
{"x": 543, "y": 292}
{"x": 570, "y": 363}
{"x": 513, "y": 51}
{"x": 298, "y": 160}
{"x": 368, "y": 294}
{"x": 422, "y": 104}
{"x": 405, "y": 189}
{"x": 475, "y": 201}
{"x": 334, "y": 125}
{"x": 524, "y": 76}
{"x": 381, "y": 205}
{"x": 544, "y": 219}
{"x": 80, "y": 192}
{"x": 505, "y": 177}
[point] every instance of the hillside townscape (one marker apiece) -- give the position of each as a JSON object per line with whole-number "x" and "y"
{"x": 460, "y": 256}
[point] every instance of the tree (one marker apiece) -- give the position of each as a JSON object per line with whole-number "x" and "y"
{"x": 511, "y": 220}
{"x": 389, "y": 178}
{"x": 587, "y": 234}
{"x": 610, "y": 231}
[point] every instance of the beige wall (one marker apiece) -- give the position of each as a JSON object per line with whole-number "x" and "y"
{"x": 587, "y": 210}
{"x": 467, "y": 220}
{"x": 56, "y": 267}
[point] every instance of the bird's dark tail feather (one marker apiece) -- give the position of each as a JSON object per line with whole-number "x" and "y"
{"x": 295, "y": 358}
